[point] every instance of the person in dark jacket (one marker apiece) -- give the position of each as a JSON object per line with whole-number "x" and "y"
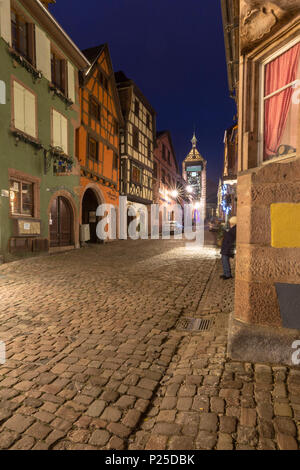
{"x": 227, "y": 248}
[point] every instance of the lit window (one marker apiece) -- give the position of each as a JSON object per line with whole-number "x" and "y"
{"x": 281, "y": 113}
{"x": 21, "y": 198}
{"x": 136, "y": 175}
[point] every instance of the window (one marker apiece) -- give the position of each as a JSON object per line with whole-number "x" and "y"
{"x": 115, "y": 161}
{"x": 21, "y": 198}
{"x": 59, "y": 131}
{"x": 23, "y": 37}
{"x": 169, "y": 157}
{"x": 164, "y": 151}
{"x": 95, "y": 109}
{"x": 103, "y": 80}
{"x": 24, "y": 110}
{"x": 163, "y": 176}
{"x": 116, "y": 127}
{"x": 92, "y": 149}
{"x": 59, "y": 72}
{"x": 136, "y": 108}
{"x": 135, "y": 138}
{"x": 280, "y": 117}
{"x": 149, "y": 149}
{"x": 148, "y": 120}
{"x": 136, "y": 174}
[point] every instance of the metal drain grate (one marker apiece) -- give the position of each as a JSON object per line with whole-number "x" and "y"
{"x": 195, "y": 324}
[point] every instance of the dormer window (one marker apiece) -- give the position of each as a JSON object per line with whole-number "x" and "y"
{"x": 23, "y": 37}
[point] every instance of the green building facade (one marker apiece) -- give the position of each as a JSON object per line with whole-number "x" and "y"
{"x": 39, "y": 115}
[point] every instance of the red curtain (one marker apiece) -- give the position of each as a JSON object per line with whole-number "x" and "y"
{"x": 279, "y": 73}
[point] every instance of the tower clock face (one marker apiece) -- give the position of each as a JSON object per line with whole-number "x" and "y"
{"x": 194, "y": 178}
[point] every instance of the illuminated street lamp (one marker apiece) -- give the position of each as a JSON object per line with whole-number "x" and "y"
{"x": 197, "y": 205}
{"x": 189, "y": 189}
{"x": 174, "y": 193}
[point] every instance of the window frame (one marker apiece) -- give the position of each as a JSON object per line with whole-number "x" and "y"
{"x": 89, "y": 138}
{"x": 136, "y": 107}
{"x": 13, "y": 179}
{"x": 30, "y": 54}
{"x": 135, "y": 131}
{"x": 133, "y": 166}
{"x": 63, "y": 87}
{"x": 115, "y": 161}
{"x": 93, "y": 101}
{"x": 54, "y": 110}
{"x": 261, "y": 108}
{"x": 13, "y": 110}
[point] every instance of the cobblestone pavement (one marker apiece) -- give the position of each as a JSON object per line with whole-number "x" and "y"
{"x": 98, "y": 358}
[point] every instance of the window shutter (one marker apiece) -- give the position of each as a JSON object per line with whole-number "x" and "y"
{"x": 30, "y": 114}
{"x": 43, "y": 53}
{"x": 64, "y": 75}
{"x": 5, "y": 21}
{"x": 56, "y": 134}
{"x": 31, "y": 43}
{"x": 71, "y": 82}
{"x": 64, "y": 134}
{"x": 19, "y": 107}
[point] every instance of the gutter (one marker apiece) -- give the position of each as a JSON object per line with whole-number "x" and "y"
{"x": 230, "y": 25}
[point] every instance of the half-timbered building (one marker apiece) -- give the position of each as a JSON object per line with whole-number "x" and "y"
{"x": 98, "y": 137}
{"x": 136, "y": 143}
{"x": 167, "y": 190}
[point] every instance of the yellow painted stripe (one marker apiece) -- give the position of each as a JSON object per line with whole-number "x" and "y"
{"x": 285, "y": 225}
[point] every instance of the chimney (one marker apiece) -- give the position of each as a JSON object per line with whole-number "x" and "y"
{"x": 46, "y": 3}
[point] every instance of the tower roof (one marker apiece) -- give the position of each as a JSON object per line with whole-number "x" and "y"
{"x": 194, "y": 154}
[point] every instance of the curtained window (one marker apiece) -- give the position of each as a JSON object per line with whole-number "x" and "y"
{"x": 281, "y": 111}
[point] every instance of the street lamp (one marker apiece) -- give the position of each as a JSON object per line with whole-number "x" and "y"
{"x": 174, "y": 193}
{"x": 189, "y": 189}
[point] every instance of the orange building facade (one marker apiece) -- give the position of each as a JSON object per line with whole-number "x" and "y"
{"x": 98, "y": 137}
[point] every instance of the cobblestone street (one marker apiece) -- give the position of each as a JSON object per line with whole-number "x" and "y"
{"x": 98, "y": 356}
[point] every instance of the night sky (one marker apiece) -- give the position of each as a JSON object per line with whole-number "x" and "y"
{"x": 174, "y": 51}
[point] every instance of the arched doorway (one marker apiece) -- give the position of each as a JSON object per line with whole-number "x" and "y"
{"x": 61, "y": 222}
{"x": 89, "y": 208}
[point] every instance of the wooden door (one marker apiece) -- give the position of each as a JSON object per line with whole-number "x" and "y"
{"x": 61, "y": 223}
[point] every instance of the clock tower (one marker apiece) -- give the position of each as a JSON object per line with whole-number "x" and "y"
{"x": 194, "y": 173}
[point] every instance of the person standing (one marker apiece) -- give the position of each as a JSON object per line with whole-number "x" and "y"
{"x": 227, "y": 248}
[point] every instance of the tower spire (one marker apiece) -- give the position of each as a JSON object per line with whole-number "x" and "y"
{"x": 194, "y": 141}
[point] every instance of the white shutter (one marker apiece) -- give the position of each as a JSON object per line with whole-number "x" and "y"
{"x": 56, "y": 134}
{"x": 43, "y": 53}
{"x": 5, "y": 20}
{"x": 30, "y": 114}
{"x": 64, "y": 134}
{"x": 19, "y": 106}
{"x": 2, "y": 92}
{"x": 71, "y": 82}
